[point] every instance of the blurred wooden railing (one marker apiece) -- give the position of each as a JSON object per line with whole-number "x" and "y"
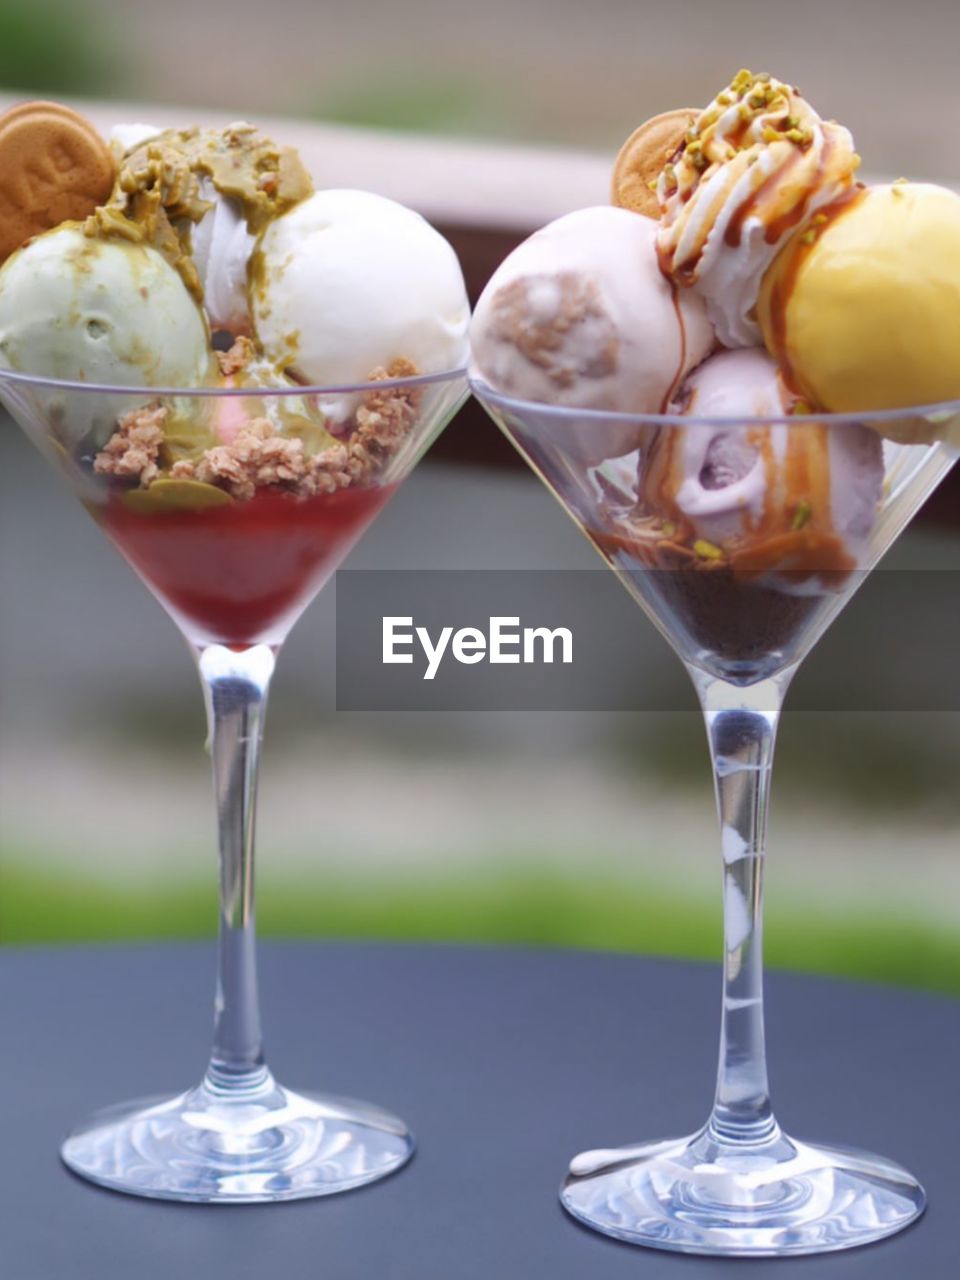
{"x": 484, "y": 197}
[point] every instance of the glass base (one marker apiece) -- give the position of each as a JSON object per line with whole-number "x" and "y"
{"x": 262, "y": 1144}
{"x": 784, "y": 1198}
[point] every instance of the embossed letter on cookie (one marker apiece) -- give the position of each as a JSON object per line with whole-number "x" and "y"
{"x": 54, "y": 166}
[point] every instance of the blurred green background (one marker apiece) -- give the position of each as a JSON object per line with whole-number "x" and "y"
{"x": 551, "y": 828}
{"x": 557, "y": 71}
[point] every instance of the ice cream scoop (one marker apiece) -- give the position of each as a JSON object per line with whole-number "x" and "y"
{"x": 863, "y": 312}
{"x": 717, "y": 479}
{"x": 104, "y": 311}
{"x": 581, "y": 315}
{"x": 762, "y": 496}
{"x": 347, "y": 282}
{"x": 756, "y": 166}
{"x": 222, "y": 244}
{"x": 128, "y": 135}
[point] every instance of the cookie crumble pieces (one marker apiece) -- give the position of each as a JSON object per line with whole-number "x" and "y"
{"x": 259, "y": 457}
{"x": 237, "y": 358}
{"x": 133, "y": 449}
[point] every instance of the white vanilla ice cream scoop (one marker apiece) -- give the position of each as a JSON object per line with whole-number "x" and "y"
{"x": 755, "y": 168}
{"x": 221, "y": 246}
{"x": 128, "y": 135}
{"x": 87, "y": 310}
{"x": 580, "y": 315}
{"x": 805, "y": 486}
{"x": 347, "y": 282}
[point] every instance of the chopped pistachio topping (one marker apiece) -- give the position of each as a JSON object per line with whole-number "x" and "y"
{"x": 741, "y": 129}
{"x": 743, "y": 81}
{"x": 801, "y": 136}
{"x": 802, "y": 514}
{"x": 695, "y": 155}
{"x": 158, "y": 195}
{"x": 707, "y": 550}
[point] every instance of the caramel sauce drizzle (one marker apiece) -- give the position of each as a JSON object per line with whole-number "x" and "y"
{"x": 793, "y": 534}
{"x": 786, "y": 281}
{"x": 682, "y": 363}
{"x": 772, "y": 186}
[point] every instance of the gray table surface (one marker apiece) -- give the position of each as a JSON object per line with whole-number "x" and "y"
{"x": 505, "y": 1062}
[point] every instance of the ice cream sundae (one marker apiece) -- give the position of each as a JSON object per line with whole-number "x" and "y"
{"x": 760, "y": 285}
{"x": 234, "y": 371}
{"x": 204, "y": 260}
{"x": 741, "y": 398}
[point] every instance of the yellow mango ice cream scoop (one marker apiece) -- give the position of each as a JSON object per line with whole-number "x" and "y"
{"x": 862, "y": 310}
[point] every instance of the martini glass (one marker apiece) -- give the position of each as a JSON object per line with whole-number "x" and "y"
{"x": 741, "y": 623}
{"x": 235, "y": 574}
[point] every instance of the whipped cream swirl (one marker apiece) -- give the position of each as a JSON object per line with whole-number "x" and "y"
{"x": 755, "y": 168}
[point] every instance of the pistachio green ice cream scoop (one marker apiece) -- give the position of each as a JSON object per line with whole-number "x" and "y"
{"x": 116, "y": 312}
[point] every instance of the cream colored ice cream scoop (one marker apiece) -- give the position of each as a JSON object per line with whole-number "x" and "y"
{"x": 222, "y": 244}
{"x": 581, "y": 315}
{"x": 347, "y": 282}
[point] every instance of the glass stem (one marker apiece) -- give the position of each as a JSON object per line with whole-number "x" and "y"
{"x": 235, "y": 686}
{"x": 742, "y": 728}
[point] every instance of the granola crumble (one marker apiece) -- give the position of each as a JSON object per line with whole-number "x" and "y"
{"x": 133, "y": 449}
{"x": 237, "y": 358}
{"x": 384, "y": 420}
{"x": 259, "y": 457}
{"x": 256, "y": 458}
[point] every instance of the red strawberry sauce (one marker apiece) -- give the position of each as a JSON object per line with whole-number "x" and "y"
{"x": 241, "y": 574}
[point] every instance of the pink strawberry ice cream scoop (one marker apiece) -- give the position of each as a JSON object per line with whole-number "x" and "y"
{"x": 759, "y": 491}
